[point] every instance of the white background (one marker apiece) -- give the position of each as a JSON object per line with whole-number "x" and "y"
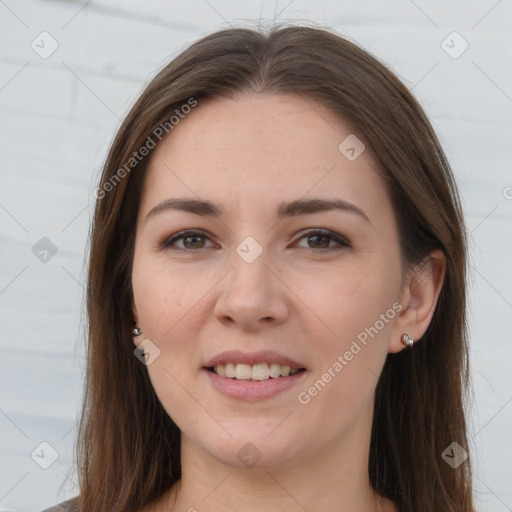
{"x": 58, "y": 117}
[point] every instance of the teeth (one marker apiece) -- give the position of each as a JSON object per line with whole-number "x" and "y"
{"x": 243, "y": 371}
{"x": 229, "y": 369}
{"x": 275, "y": 370}
{"x": 260, "y": 371}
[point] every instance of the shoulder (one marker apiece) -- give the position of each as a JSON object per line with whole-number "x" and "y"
{"x": 66, "y": 506}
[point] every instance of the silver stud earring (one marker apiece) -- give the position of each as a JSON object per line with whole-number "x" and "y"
{"x": 406, "y": 340}
{"x": 136, "y": 331}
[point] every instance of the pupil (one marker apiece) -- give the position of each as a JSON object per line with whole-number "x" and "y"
{"x": 194, "y": 241}
{"x": 317, "y": 240}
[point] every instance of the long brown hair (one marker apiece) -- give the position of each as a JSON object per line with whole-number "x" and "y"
{"x": 128, "y": 447}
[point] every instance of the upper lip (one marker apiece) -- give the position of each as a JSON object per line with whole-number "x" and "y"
{"x": 265, "y": 356}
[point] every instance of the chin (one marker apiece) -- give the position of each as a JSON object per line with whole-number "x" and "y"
{"x": 250, "y": 449}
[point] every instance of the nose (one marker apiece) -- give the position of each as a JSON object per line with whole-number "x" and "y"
{"x": 252, "y": 296}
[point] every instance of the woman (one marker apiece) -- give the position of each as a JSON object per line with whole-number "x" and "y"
{"x": 276, "y": 292}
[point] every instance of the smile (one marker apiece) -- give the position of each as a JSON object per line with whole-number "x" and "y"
{"x": 258, "y": 372}
{"x": 253, "y": 376}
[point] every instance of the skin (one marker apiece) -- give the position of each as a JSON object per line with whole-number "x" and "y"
{"x": 249, "y": 154}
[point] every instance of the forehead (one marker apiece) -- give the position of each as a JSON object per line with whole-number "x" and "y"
{"x": 261, "y": 149}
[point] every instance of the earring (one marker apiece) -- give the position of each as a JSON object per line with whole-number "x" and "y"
{"x": 406, "y": 340}
{"x": 136, "y": 331}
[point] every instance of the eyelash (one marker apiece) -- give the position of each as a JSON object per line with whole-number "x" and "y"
{"x": 341, "y": 241}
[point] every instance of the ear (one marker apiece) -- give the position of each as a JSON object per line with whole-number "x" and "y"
{"x": 134, "y": 311}
{"x": 135, "y": 317}
{"x": 419, "y": 297}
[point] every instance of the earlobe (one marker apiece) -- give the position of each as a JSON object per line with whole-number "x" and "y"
{"x": 419, "y": 299}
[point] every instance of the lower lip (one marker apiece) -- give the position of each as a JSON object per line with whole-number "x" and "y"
{"x": 251, "y": 390}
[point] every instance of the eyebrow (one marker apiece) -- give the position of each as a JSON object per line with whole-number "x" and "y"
{"x": 290, "y": 209}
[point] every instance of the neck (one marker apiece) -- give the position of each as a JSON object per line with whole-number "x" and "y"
{"x": 335, "y": 480}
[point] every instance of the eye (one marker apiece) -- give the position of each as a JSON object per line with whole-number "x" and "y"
{"x": 323, "y": 239}
{"x": 190, "y": 240}
{"x": 195, "y": 240}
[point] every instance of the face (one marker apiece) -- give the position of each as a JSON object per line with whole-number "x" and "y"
{"x": 267, "y": 275}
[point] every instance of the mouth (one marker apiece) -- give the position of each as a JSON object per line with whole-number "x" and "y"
{"x": 254, "y": 372}
{"x": 253, "y": 377}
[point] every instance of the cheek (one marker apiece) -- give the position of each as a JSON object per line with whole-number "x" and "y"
{"x": 171, "y": 309}
{"x": 348, "y": 300}
{"x": 168, "y": 304}
{"x": 163, "y": 295}
{"x": 157, "y": 305}
{"x": 357, "y": 308}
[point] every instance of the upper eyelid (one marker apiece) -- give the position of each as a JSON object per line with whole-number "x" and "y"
{"x": 301, "y": 234}
{"x": 184, "y": 234}
{"x": 321, "y": 231}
